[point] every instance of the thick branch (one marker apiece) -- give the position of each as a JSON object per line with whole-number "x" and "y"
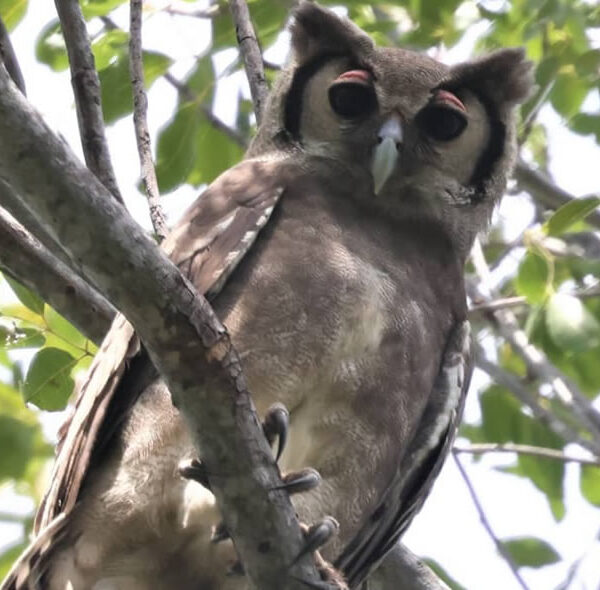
{"x": 8, "y": 56}
{"x": 204, "y": 376}
{"x": 140, "y": 113}
{"x": 403, "y": 570}
{"x": 251, "y": 54}
{"x": 27, "y": 261}
{"x": 86, "y": 88}
{"x": 545, "y": 191}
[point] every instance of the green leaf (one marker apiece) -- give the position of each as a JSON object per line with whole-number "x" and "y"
{"x": 177, "y": 148}
{"x": 109, "y": 47}
{"x": 570, "y": 324}
{"x": 50, "y": 47}
{"x": 48, "y": 383}
{"x": 533, "y": 278}
{"x": 91, "y": 8}
{"x": 217, "y": 152}
{"x": 21, "y": 338}
{"x": 531, "y": 551}
{"x": 62, "y": 328}
{"x": 117, "y": 96}
{"x": 568, "y": 93}
{"x": 590, "y": 484}
{"x": 12, "y": 12}
{"x": 17, "y": 436}
{"x": 502, "y": 420}
{"x": 569, "y": 214}
{"x": 9, "y": 556}
{"x": 28, "y": 298}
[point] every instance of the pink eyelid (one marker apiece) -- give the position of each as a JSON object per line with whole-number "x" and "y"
{"x": 446, "y": 96}
{"x": 355, "y": 76}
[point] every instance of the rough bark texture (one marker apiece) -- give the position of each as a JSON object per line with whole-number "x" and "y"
{"x": 26, "y": 260}
{"x": 86, "y": 88}
{"x": 204, "y": 376}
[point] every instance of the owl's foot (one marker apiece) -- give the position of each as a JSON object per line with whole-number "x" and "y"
{"x": 196, "y": 470}
{"x": 276, "y": 425}
{"x": 299, "y": 481}
{"x": 315, "y": 537}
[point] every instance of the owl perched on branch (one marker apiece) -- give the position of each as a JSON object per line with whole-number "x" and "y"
{"x": 334, "y": 254}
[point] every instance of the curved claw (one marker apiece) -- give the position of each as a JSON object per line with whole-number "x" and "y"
{"x": 196, "y": 470}
{"x": 318, "y": 534}
{"x": 235, "y": 569}
{"x": 276, "y": 424}
{"x": 219, "y": 533}
{"x": 300, "y": 481}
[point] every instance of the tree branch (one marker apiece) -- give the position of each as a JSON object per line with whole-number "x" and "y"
{"x": 533, "y": 451}
{"x": 9, "y": 57}
{"x": 205, "y": 378}
{"x": 140, "y": 113}
{"x": 506, "y": 324}
{"x": 546, "y": 192}
{"x": 26, "y": 260}
{"x": 402, "y": 569}
{"x": 86, "y": 89}
{"x": 487, "y": 526}
{"x": 251, "y": 54}
{"x": 515, "y": 385}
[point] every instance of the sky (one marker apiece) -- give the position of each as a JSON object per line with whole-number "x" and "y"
{"x": 448, "y": 528}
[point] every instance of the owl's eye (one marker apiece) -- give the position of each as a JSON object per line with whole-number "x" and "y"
{"x": 442, "y": 123}
{"x": 444, "y": 118}
{"x": 352, "y": 94}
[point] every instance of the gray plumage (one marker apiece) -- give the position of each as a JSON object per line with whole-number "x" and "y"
{"x": 345, "y": 305}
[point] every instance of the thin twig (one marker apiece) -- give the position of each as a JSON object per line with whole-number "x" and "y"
{"x": 189, "y": 95}
{"x": 556, "y": 455}
{"x": 205, "y": 13}
{"x": 486, "y": 524}
{"x": 251, "y": 54}
{"x": 140, "y": 112}
{"x": 506, "y": 324}
{"x": 519, "y": 300}
{"x": 516, "y": 386}
{"x": 9, "y": 57}
{"x": 86, "y": 89}
{"x": 546, "y": 192}
{"x": 31, "y": 264}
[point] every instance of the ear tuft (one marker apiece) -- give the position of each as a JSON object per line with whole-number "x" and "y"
{"x": 318, "y": 31}
{"x": 504, "y": 76}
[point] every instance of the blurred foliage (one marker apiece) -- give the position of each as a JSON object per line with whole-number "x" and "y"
{"x": 41, "y": 354}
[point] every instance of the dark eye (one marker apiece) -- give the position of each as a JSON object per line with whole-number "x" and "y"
{"x": 442, "y": 123}
{"x": 352, "y": 100}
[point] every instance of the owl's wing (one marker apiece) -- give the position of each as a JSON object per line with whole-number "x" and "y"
{"x": 207, "y": 244}
{"x": 420, "y": 466}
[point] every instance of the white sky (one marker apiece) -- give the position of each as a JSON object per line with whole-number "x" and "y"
{"x": 448, "y": 528}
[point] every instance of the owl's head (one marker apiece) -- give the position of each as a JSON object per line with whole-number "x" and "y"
{"x": 438, "y": 141}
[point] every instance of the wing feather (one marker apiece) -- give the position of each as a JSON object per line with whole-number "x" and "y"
{"x": 420, "y": 467}
{"x": 207, "y": 244}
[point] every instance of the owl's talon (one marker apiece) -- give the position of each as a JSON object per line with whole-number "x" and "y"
{"x": 219, "y": 533}
{"x": 196, "y": 470}
{"x": 317, "y": 535}
{"x": 300, "y": 481}
{"x": 276, "y": 424}
{"x": 235, "y": 569}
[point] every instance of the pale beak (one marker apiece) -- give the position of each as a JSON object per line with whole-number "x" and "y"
{"x": 385, "y": 156}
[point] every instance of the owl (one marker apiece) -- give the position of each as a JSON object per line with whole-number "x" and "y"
{"x": 334, "y": 254}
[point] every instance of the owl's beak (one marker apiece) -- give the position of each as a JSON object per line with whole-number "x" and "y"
{"x": 389, "y": 140}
